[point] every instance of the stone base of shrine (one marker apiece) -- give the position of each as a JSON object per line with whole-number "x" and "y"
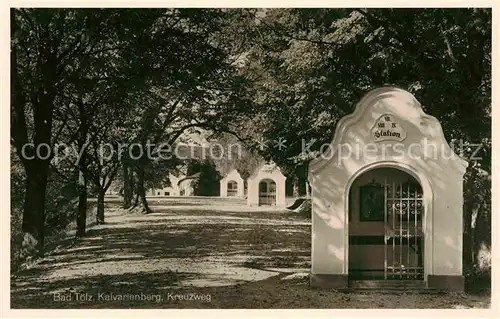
{"x": 446, "y": 283}
{"x": 327, "y": 281}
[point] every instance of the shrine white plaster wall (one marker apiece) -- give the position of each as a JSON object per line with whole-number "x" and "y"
{"x": 267, "y": 171}
{"x": 408, "y": 147}
{"x": 233, "y": 175}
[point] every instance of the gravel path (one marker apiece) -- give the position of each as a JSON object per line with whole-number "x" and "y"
{"x": 198, "y": 253}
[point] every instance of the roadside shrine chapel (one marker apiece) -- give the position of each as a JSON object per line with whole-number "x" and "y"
{"x": 392, "y": 208}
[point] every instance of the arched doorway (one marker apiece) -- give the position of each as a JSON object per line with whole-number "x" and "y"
{"x": 232, "y": 189}
{"x": 385, "y": 226}
{"x": 267, "y": 192}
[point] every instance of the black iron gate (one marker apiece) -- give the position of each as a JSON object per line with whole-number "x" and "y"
{"x": 267, "y": 192}
{"x": 232, "y": 189}
{"x": 403, "y": 238}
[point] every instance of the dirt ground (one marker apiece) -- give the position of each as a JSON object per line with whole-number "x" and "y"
{"x": 197, "y": 253}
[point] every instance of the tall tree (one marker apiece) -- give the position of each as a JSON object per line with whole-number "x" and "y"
{"x": 51, "y": 48}
{"x": 47, "y": 46}
{"x": 192, "y": 82}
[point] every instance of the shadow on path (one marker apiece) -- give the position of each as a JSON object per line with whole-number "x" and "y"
{"x": 165, "y": 252}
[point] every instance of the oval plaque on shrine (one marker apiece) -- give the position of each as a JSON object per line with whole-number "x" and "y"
{"x": 387, "y": 128}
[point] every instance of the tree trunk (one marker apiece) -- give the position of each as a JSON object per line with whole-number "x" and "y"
{"x": 141, "y": 191}
{"x": 100, "y": 207}
{"x": 34, "y": 208}
{"x": 42, "y": 94}
{"x": 127, "y": 187}
{"x": 479, "y": 235}
{"x": 301, "y": 185}
{"x": 301, "y": 174}
{"x": 81, "y": 220}
{"x": 136, "y": 201}
{"x": 467, "y": 238}
{"x": 295, "y": 187}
